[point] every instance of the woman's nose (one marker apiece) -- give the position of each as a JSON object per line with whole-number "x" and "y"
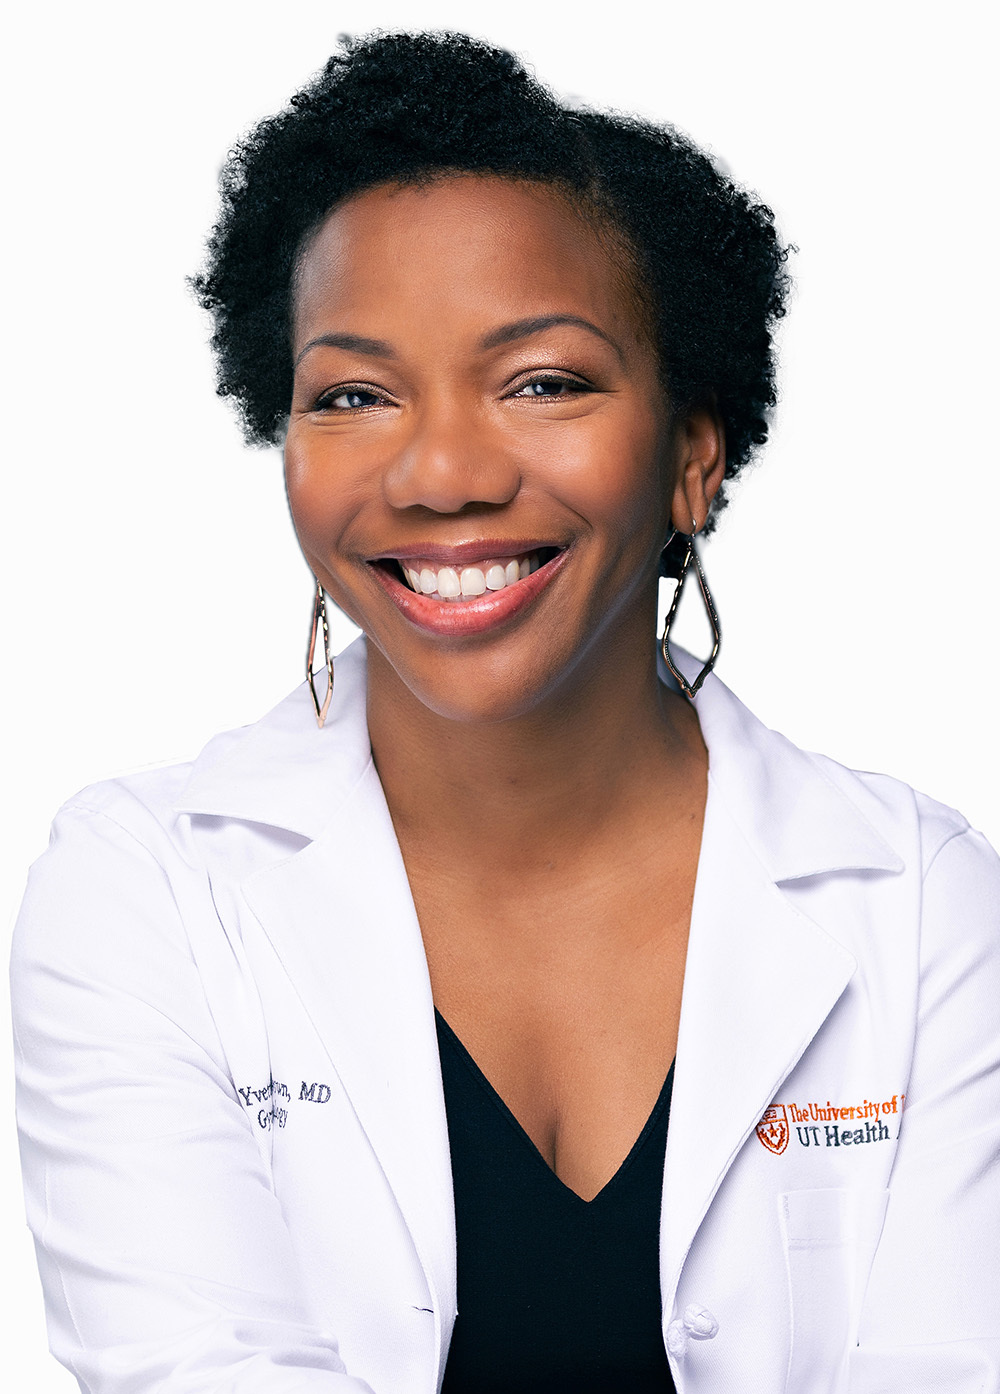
{"x": 447, "y": 465}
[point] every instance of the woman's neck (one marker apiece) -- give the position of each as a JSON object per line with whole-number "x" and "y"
{"x": 596, "y": 756}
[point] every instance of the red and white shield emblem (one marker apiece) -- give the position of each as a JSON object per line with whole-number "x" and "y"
{"x": 773, "y": 1129}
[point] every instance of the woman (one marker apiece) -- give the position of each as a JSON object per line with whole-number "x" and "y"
{"x": 378, "y": 1011}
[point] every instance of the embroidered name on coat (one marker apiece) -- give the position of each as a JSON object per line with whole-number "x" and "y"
{"x": 270, "y": 1114}
{"x": 265, "y": 1099}
{"x": 829, "y": 1124}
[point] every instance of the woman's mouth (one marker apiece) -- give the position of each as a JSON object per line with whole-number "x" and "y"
{"x": 466, "y": 582}
{"x": 458, "y": 596}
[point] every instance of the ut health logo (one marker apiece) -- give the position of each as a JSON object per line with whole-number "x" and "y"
{"x": 773, "y": 1129}
{"x": 830, "y": 1124}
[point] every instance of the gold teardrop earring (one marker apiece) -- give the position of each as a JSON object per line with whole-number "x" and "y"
{"x": 677, "y": 557}
{"x": 319, "y": 619}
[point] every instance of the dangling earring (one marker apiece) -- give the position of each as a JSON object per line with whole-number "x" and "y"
{"x": 319, "y": 618}
{"x": 690, "y": 555}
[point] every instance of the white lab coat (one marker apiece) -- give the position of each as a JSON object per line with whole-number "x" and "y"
{"x": 234, "y": 1141}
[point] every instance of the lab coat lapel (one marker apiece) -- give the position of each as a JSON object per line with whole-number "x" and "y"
{"x": 761, "y": 977}
{"x": 341, "y": 919}
{"x": 760, "y": 980}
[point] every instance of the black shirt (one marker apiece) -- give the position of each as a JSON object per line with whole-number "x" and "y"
{"x": 555, "y": 1293}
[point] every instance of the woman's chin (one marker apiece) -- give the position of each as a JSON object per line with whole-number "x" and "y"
{"x": 469, "y": 689}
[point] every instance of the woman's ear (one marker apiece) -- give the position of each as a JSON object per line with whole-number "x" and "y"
{"x": 701, "y": 467}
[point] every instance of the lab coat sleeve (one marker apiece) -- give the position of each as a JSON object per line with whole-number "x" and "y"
{"x": 931, "y": 1316}
{"x": 164, "y": 1259}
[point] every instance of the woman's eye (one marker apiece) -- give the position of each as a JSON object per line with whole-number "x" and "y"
{"x": 348, "y": 399}
{"x": 550, "y": 387}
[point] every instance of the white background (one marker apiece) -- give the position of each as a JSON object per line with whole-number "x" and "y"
{"x": 153, "y": 593}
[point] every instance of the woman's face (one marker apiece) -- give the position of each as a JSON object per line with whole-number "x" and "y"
{"x": 480, "y": 460}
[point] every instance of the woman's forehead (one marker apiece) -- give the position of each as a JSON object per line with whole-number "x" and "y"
{"x": 459, "y": 244}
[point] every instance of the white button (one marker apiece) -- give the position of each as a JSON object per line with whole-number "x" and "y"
{"x": 699, "y": 1322}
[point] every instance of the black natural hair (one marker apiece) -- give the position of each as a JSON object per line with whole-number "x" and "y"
{"x": 400, "y": 107}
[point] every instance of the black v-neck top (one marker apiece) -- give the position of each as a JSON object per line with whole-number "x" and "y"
{"x": 555, "y": 1294}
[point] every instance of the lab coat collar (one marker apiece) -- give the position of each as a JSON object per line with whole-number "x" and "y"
{"x": 285, "y": 773}
{"x": 795, "y": 818}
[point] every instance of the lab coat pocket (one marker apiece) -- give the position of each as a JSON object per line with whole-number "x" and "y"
{"x": 829, "y": 1238}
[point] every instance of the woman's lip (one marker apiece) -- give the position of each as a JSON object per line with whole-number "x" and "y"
{"x": 467, "y": 553}
{"x": 475, "y": 615}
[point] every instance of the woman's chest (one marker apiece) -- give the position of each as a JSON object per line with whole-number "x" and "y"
{"x": 358, "y": 1144}
{"x": 340, "y": 1078}
{"x": 566, "y": 991}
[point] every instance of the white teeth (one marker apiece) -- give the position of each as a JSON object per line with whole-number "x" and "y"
{"x": 448, "y": 584}
{"x": 472, "y": 581}
{"x": 452, "y": 583}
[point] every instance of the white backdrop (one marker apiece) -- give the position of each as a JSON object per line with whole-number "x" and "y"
{"x": 153, "y": 590}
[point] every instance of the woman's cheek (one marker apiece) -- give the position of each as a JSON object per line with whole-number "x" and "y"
{"x": 620, "y": 475}
{"x": 313, "y": 499}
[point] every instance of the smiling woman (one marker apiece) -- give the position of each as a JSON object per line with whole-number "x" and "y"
{"x": 508, "y": 416}
{"x": 515, "y": 1012}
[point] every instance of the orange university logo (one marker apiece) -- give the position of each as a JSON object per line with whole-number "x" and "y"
{"x": 773, "y": 1128}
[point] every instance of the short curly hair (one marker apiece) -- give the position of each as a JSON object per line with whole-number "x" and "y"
{"x": 397, "y": 108}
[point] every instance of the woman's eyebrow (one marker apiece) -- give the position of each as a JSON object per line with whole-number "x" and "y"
{"x": 353, "y": 343}
{"x": 503, "y": 334}
{"x": 523, "y": 328}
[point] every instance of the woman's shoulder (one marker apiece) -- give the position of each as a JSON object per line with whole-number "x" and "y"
{"x": 278, "y": 772}
{"x": 141, "y": 806}
{"x": 127, "y": 860}
{"x": 806, "y": 812}
{"x": 897, "y": 809}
